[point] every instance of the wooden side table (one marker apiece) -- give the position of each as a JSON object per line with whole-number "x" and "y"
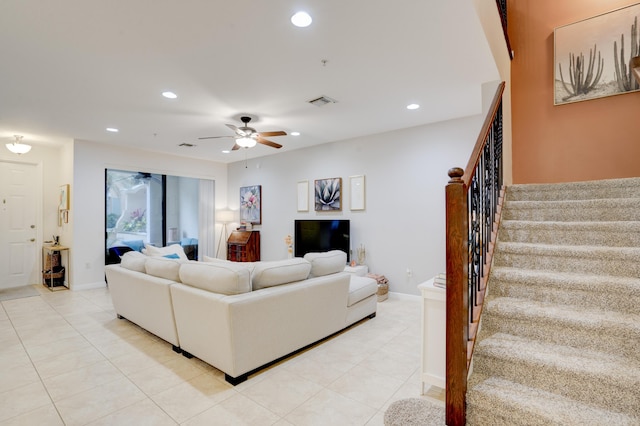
{"x": 243, "y": 246}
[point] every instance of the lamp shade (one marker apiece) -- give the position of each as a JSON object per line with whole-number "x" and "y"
{"x": 224, "y": 216}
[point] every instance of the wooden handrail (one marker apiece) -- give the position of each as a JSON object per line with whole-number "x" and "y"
{"x": 502, "y": 11}
{"x": 473, "y": 199}
{"x": 484, "y": 133}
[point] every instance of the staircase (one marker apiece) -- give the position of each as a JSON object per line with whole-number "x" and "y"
{"x": 560, "y": 335}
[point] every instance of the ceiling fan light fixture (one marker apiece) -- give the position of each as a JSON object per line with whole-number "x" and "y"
{"x": 17, "y": 147}
{"x": 246, "y": 142}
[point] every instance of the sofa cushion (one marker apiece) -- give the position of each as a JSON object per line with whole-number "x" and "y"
{"x": 153, "y": 251}
{"x": 269, "y": 274}
{"x": 326, "y": 263}
{"x": 360, "y": 288}
{"x": 228, "y": 279}
{"x": 134, "y": 261}
{"x": 162, "y": 267}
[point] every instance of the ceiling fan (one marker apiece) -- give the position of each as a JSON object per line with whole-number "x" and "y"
{"x": 247, "y": 137}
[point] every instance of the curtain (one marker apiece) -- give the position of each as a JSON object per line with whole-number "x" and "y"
{"x": 206, "y": 221}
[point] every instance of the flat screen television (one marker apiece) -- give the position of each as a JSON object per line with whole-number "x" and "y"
{"x": 313, "y": 236}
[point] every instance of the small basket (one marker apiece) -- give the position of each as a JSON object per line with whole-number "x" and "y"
{"x": 383, "y": 291}
{"x": 54, "y": 277}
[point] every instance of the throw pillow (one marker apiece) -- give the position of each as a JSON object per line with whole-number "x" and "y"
{"x": 171, "y": 256}
{"x": 153, "y": 251}
{"x": 269, "y": 274}
{"x": 326, "y": 263}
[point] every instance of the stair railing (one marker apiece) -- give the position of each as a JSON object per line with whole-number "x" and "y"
{"x": 473, "y": 205}
{"x": 502, "y": 10}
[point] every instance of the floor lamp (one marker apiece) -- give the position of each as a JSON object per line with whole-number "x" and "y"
{"x": 224, "y": 217}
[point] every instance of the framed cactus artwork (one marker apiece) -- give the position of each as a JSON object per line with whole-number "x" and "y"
{"x": 328, "y": 194}
{"x": 593, "y": 57}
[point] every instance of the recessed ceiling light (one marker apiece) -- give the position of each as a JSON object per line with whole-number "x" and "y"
{"x": 413, "y": 106}
{"x": 225, "y": 151}
{"x": 301, "y": 19}
{"x": 169, "y": 95}
{"x": 295, "y": 133}
{"x": 112, "y": 129}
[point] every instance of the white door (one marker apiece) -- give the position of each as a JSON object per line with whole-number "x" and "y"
{"x": 18, "y": 250}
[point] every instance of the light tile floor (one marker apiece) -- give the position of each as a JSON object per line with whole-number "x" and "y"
{"x": 66, "y": 359}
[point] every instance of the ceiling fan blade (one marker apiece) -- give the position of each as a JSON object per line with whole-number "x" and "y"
{"x": 215, "y": 137}
{"x": 267, "y": 142}
{"x": 235, "y": 147}
{"x": 236, "y": 129}
{"x": 278, "y": 133}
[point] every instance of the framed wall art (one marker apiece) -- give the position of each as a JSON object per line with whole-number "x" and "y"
{"x": 303, "y": 196}
{"x": 593, "y": 57}
{"x": 357, "y": 191}
{"x": 251, "y": 204}
{"x": 63, "y": 201}
{"x": 328, "y": 194}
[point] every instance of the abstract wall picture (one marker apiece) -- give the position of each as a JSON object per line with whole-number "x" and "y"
{"x": 251, "y": 204}
{"x": 328, "y": 194}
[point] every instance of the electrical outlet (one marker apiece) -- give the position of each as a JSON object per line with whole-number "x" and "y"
{"x": 409, "y": 272}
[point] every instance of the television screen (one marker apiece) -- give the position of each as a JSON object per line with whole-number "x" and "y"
{"x": 312, "y": 236}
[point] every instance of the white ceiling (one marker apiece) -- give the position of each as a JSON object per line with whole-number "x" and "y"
{"x": 71, "y": 68}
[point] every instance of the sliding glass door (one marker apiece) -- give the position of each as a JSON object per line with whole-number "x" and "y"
{"x": 148, "y": 208}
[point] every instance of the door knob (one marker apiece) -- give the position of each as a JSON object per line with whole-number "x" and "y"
{"x": 32, "y": 239}
{"x": 33, "y": 226}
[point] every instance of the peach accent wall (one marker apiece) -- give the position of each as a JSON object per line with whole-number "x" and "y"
{"x": 595, "y": 139}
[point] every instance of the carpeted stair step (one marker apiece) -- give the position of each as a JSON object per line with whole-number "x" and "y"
{"x": 608, "y": 188}
{"x": 496, "y": 401}
{"x": 591, "y": 377}
{"x": 615, "y": 261}
{"x": 611, "y": 209}
{"x": 574, "y": 326}
{"x": 595, "y": 291}
{"x": 612, "y": 234}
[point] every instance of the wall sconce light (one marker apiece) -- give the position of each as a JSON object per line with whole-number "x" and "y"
{"x": 17, "y": 147}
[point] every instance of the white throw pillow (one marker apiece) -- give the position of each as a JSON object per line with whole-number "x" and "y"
{"x": 234, "y": 278}
{"x": 326, "y": 263}
{"x": 164, "y": 268}
{"x": 153, "y": 251}
{"x": 134, "y": 261}
{"x": 269, "y": 274}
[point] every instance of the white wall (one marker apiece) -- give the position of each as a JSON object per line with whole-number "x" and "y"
{"x": 403, "y": 226}
{"x": 87, "y": 194}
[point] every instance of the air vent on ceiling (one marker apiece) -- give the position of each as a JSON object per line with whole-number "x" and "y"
{"x": 187, "y": 145}
{"x": 322, "y": 101}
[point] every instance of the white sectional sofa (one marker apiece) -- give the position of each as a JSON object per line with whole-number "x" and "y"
{"x": 240, "y": 317}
